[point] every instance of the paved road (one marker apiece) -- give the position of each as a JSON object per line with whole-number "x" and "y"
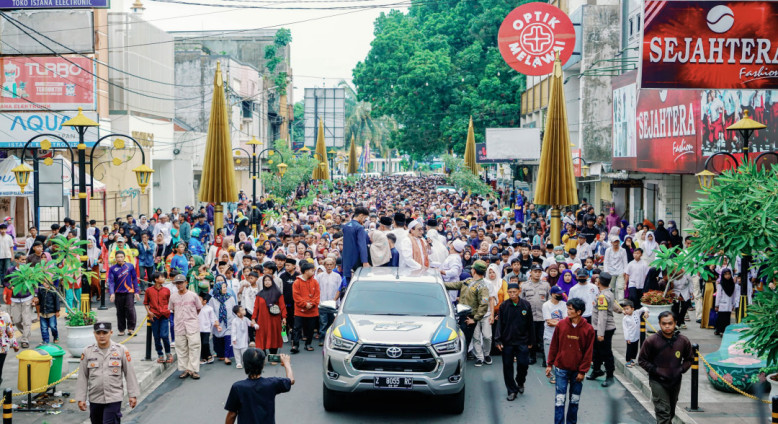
{"x": 202, "y": 401}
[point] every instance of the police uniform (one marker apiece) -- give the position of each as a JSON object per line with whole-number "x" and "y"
{"x": 536, "y": 293}
{"x": 604, "y": 325}
{"x": 100, "y": 376}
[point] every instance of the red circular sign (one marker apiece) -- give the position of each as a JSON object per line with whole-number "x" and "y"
{"x": 530, "y": 35}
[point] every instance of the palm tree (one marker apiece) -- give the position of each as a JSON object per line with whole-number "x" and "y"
{"x": 362, "y": 125}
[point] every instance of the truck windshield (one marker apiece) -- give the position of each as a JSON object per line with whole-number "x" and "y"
{"x": 396, "y": 298}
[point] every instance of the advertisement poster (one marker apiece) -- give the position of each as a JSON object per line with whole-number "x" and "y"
{"x": 710, "y": 45}
{"x": 53, "y": 83}
{"x": 667, "y": 128}
{"x": 54, "y": 4}
{"x": 16, "y": 128}
{"x": 624, "y": 137}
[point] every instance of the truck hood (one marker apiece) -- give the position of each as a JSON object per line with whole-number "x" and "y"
{"x": 388, "y": 329}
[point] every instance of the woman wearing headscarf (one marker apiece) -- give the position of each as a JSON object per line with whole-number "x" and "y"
{"x": 675, "y": 238}
{"x": 629, "y": 247}
{"x": 727, "y": 300}
{"x": 566, "y": 281}
{"x": 612, "y": 219}
{"x": 93, "y": 263}
{"x": 708, "y": 298}
{"x": 552, "y": 274}
{"x": 649, "y": 247}
{"x": 193, "y": 276}
{"x": 270, "y": 314}
{"x": 623, "y": 229}
{"x": 222, "y": 304}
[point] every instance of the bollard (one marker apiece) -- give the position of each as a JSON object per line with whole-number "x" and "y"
{"x": 102, "y": 294}
{"x": 148, "y": 341}
{"x": 8, "y": 409}
{"x": 86, "y": 302}
{"x": 642, "y": 330}
{"x": 775, "y": 409}
{"x": 694, "y": 406}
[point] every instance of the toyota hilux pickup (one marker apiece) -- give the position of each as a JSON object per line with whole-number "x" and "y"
{"x": 395, "y": 330}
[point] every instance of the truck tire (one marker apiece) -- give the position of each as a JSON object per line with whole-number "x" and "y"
{"x": 333, "y": 400}
{"x": 454, "y": 404}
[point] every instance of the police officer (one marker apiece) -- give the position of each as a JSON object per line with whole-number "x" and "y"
{"x": 474, "y": 293}
{"x": 100, "y": 375}
{"x": 604, "y": 325}
{"x": 536, "y": 292}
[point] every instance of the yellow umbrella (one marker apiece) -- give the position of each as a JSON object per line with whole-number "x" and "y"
{"x": 470, "y": 150}
{"x": 556, "y": 180}
{"x": 321, "y": 172}
{"x": 218, "y": 179}
{"x": 352, "y": 157}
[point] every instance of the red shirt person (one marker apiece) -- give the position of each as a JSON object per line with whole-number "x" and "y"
{"x": 156, "y": 302}
{"x": 306, "y": 295}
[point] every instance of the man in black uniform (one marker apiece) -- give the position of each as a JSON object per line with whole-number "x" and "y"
{"x": 514, "y": 335}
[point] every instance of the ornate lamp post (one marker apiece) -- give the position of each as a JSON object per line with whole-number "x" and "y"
{"x": 81, "y": 124}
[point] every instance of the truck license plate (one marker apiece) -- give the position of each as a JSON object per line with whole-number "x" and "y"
{"x": 393, "y": 382}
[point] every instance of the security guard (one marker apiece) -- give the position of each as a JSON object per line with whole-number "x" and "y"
{"x": 474, "y": 293}
{"x": 100, "y": 375}
{"x": 604, "y": 325}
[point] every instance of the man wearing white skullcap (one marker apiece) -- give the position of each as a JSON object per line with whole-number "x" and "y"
{"x": 451, "y": 268}
{"x": 414, "y": 252}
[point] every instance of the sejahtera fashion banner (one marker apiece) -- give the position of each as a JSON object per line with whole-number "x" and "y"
{"x": 675, "y": 131}
{"x": 710, "y": 44}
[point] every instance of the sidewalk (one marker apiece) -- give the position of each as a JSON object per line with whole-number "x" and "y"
{"x": 718, "y": 407}
{"x": 148, "y": 372}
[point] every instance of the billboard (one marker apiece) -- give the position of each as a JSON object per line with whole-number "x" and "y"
{"x": 53, "y": 83}
{"x": 18, "y": 127}
{"x": 710, "y": 44}
{"x": 513, "y": 143}
{"x": 54, "y": 4}
{"x": 530, "y": 36}
{"x": 328, "y": 105}
{"x": 677, "y": 130}
{"x": 482, "y": 157}
{"x": 63, "y": 32}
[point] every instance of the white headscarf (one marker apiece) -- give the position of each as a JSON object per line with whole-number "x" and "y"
{"x": 93, "y": 253}
{"x": 496, "y": 283}
{"x": 649, "y": 246}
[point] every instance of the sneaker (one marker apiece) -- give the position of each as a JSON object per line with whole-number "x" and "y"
{"x": 552, "y": 380}
{"x": 479, "y": 363}
{"x": 210, "y": 360}
{"x": 683, "y": 327}
{"x": 203, "y": 362}
{"x": 488, "y": 360}
{"x": 630, "y": 364}
{"x": 239, "y": 366}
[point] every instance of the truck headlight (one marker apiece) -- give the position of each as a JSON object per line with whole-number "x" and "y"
{"x": 339, "y": 343}
{"x": 447, "y": 347}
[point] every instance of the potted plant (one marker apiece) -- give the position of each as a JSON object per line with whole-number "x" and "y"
{"x": 58, "y": 275}
{"x": 762, "y": 334}
{"x": 656, "y": 301}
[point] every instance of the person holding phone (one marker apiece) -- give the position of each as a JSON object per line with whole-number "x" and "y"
{"x": 253, "y": 400}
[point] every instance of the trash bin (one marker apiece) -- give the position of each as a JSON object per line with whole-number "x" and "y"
{"x": 40, "y": 362}
{"x": 57, "y": 353}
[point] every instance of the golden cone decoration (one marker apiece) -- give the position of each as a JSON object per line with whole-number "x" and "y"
{"x": 556, "y": 179}
{"x": 321, "y": 172}
{"x": 218, "y": 178}
{"x": 470, "y": 150}
{"x": 352, "y": 157}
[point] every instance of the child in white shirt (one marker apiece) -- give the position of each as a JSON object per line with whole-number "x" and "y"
{"x": 631, "y": 325}
{"x": 240, "y": 333}
{"x": 208, "y": 319}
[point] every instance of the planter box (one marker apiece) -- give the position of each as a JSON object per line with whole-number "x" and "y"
{"x": 653, "y": 316}
{"x": 78, "y": 338}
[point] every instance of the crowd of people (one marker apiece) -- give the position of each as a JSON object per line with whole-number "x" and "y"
{"x": 214, "y": 291}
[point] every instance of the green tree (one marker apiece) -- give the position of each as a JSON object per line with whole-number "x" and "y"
{"x": 299, "y": 170}
{"x": 434, "y": 67}
{"x": 298, "y": 126}
{"x": 362, "y": 125}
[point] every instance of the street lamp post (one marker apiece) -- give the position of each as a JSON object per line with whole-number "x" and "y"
{"x": 81, "y": 124}
{"x": 253, "y": 173}
{"x": 332, "y": 153}
{"x": 745, "y": 127}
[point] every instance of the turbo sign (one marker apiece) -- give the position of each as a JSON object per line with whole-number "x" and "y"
{"x": 705, "y": 44}
{"x": 531, "y": 34}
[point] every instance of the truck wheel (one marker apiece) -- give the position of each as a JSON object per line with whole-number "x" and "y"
{"x": 455, "y": 404}
{"x": 333, "y": 400}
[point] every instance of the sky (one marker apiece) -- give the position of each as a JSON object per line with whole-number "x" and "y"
{"x": 324, "y": 49}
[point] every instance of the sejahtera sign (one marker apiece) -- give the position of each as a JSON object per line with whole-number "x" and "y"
{"x": 54, "y": 4}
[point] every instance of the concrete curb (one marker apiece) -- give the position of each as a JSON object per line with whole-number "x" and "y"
{"x": 636, "y": 381}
